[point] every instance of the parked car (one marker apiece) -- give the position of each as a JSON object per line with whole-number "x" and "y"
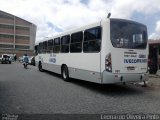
{"x": 20, "y": 59}
{"x": 30, "y": 57}
{"x": 12, "y": 57}
{"x": 5, "y": 58}
{"x": 32, "y": 60}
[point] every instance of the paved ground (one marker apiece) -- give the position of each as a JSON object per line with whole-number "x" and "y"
{"x": 31, "y": 91}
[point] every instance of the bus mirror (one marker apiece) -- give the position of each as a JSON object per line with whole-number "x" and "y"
{"x": 109, "y": 15}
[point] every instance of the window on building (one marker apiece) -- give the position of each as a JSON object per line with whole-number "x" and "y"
{"x": 76, "y": 42}
{"x": 6, "y": 36}
{"x": 22, "y": 28}
{"x": 21, "y": 47}
{"x": 56, "y": 48}
{"x": 22, "y": 37}
{"x": 6, "y": 16}
{"x": 22, "y": 41}
{"x": 6, "y": 46}
{"x": 6, "y": 26}
{"x": 92, "y": 40}
{"x": 65, "y": 44}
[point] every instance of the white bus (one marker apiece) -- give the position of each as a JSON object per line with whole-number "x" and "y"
{"x": 108, "y": 51}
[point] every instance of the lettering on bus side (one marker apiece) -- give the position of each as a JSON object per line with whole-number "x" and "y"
{"x": 142, "y": 56}
{"x": 135, "y": 60}
{"x": 52, "y": 60}
{"x": 52, "y": 55}
{"x": 130, "y": 56}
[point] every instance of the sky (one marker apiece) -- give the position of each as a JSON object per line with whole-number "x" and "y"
{"x": 54, "y": 16}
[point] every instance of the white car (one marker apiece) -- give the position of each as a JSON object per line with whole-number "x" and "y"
{"x": 5, "y": 58}
{"x": 20, "y": 59}
{"x": 30, "y": 59}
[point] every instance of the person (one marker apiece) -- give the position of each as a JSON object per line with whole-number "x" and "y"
{"x": 25, "y": 59}
{"x": 15, "y": 58}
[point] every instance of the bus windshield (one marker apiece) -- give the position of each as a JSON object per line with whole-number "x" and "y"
{"x": 127, "y": 34}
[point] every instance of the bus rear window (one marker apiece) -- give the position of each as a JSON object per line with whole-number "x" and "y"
{"x": 129, "y": 35}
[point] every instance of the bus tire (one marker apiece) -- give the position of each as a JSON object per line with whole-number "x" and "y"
{"x": 40, "y": 67}
{"x": 65, "y": 73}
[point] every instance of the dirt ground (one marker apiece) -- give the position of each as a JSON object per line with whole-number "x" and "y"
{"x": 154, "y": 81}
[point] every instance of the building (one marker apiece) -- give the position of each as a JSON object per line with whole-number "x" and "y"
{"x": 154, "y": 55}
{"x": 17, "y": 36}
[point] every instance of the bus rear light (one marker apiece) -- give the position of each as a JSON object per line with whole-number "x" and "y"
{"x": 108, "y": 63}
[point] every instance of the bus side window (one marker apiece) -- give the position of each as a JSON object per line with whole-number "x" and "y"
{"x": 44, "y": 47}
{"x": 56, "y": 48}
{"x": 65, "y": 40}
{"x": 36, "y": 50}
{"x": 92, "y": 40}
{"x": 76, "y": 42}
{"x": 50, "y": 46}
{"x": 40, "y": 47}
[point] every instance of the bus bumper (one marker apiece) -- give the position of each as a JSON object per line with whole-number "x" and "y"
{"x": 108, "y": 77}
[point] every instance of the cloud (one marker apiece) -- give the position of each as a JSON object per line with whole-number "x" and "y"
{"x": 67, "y": 14}
{"x": 156, "y": 34}
{"x": 158, "y": 27}
{"x": 125, "y": 8}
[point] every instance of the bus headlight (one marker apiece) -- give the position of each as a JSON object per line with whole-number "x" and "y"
{"x": 108, "y": 63}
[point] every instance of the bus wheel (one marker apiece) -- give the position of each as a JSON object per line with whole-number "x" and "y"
{"x": 65, "y": 74}
{"x": 40, "y": 67}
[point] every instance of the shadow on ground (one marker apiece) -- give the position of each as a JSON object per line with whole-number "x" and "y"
{"x": 105, "y": 89}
